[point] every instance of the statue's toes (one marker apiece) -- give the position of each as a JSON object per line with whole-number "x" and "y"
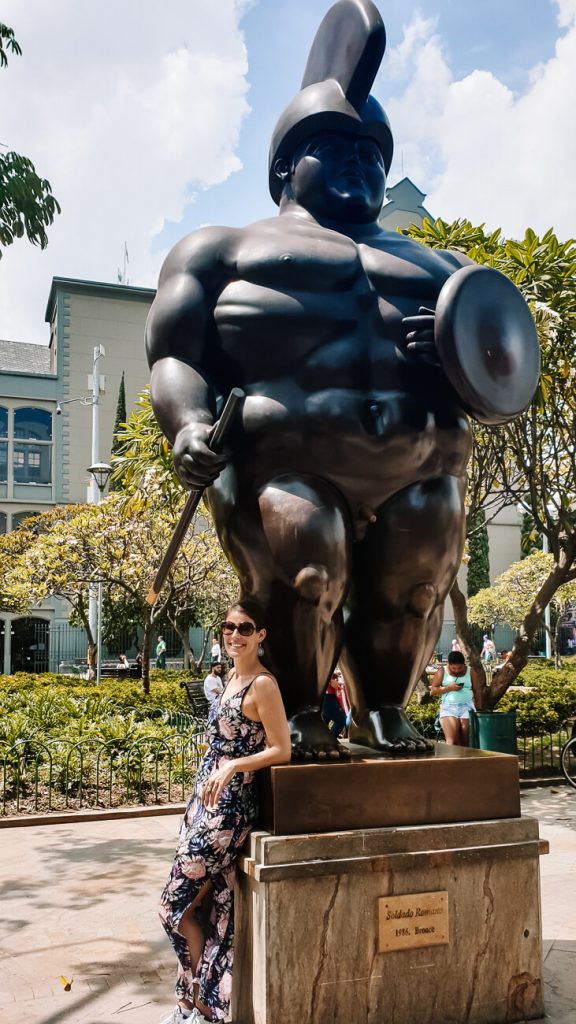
{"x": 343, "y": 754}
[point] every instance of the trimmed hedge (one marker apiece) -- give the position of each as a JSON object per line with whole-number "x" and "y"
{"x": 165, "y": 690}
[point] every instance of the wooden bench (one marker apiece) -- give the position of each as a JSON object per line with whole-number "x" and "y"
{"x": 196, "y": 698}
{"x": 109, "y": 670}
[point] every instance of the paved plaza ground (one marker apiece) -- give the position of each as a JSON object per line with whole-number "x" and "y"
{"x": 79, "y": 901}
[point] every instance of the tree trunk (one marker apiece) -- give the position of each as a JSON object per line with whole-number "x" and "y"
{"x": 92, "y": 648}
{"x": 186, "y": 649}
{"x": 198, "y": 661}
{"x": 469, "y": 648}
{"x": 422, "y": 688}
{"x": 556, "y": 643}
{"x": 506, "y": 675}
{"x": 146, "y": 640}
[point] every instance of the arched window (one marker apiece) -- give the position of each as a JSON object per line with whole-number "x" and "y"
{"x": 19, "y": 517}
{"x": 3, "y": 444}
{"x": 32, "y": 446}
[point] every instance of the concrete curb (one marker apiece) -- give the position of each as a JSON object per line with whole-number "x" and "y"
{"x": 68, "y": 817}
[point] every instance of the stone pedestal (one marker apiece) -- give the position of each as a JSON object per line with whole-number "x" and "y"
{"x": 322, "y": 938}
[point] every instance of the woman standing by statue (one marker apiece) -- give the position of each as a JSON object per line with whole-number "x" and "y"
{"x": 247, "y": 730}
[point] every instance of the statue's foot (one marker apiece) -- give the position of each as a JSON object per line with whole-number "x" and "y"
{"x": 312, "y": 739}
{"x": 389, "y": 729}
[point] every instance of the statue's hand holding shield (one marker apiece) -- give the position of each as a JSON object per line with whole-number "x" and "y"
{"x": 483, "y": 337}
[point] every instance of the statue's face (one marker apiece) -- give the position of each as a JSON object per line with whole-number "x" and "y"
{"x": 339, "y": 176}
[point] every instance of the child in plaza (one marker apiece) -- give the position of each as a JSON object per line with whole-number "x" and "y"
{"x": 247, "y": 730}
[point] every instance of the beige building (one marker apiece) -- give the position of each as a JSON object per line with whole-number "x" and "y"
{"x": 49, "y": 428}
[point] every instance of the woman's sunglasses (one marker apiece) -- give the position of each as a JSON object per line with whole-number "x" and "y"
{"x": 244, "y": 628}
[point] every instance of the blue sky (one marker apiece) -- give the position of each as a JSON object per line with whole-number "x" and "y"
{"x": 495, "y": 35}
{"x": 152, "y": 119}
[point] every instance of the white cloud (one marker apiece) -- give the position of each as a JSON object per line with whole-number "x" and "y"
{"x": 126, "y": 108}
{"x": 566, "y": 12}
{"x": 482, "y": 151}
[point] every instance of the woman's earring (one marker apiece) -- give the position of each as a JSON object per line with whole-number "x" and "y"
{"x": 260, "y": 650}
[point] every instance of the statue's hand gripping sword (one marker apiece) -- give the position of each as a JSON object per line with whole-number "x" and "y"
{"x": 216, "y": 443}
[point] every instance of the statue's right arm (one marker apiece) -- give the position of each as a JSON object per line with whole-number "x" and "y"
{"x": 178, "y": 331}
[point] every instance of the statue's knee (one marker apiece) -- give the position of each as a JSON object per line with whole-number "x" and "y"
{"x": 312, "y": 582}
{"x": 422, "y": 599}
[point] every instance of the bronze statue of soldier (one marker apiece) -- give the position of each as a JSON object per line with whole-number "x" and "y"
{"x": 340, "y": 501}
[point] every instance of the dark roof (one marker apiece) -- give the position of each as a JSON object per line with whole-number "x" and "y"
{"x": 23, "y": 357}
{"x": 103, "y": 288}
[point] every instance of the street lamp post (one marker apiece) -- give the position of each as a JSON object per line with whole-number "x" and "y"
{"x": 97, "y": 385}
{"x": 100, "y": 472}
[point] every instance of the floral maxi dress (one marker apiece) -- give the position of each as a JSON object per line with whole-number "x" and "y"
{"x": 209, "y": 843}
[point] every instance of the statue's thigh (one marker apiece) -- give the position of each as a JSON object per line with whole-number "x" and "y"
{"x": 284, "y": 526}
{"x": 415, "y": 544}
{"x": 305, "y": 521}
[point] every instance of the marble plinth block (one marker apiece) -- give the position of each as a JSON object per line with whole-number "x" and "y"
{"x": 319, "y": 923}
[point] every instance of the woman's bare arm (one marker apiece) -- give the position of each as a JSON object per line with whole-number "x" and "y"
{"x": 436, "y": 688}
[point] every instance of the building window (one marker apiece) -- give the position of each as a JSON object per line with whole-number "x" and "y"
{"x": 3, "y": 445}
{"x": 2, "y": 523}
{"x": 19, "y": 517}
{"x": 32, "y": 457}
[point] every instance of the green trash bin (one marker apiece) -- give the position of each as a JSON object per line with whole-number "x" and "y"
{"x": 494, "y": 730}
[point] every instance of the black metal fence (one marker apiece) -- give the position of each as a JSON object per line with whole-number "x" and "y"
{"x": 71, "y": 775}
{"x": 65, "y": 775}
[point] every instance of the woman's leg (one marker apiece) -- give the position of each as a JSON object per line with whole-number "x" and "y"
{"x": 464, "y": 731}
{"x": 191, "y": 929}
{"x": 451, "y": 730}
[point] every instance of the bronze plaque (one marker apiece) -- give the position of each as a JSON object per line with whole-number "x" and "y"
{"x": 418, "y": 919}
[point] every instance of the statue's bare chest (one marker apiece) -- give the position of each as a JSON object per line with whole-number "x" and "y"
{"x": 312, "y": 287}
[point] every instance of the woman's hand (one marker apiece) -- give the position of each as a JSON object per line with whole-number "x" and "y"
{"x": 212, "y": 788}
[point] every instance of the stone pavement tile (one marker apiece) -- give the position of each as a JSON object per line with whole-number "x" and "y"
{"x": 80, "y": 900}
{"x": 560, "y": 991}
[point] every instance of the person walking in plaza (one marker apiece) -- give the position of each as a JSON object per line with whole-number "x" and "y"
{"x": 213, "y": 684}
{"x": 161, "y": 653}
{"x": 453, "y": 685}
{"x": 488, "y": 652}
{"x": 215, "y": 651}
{"x": 247, "y": 730}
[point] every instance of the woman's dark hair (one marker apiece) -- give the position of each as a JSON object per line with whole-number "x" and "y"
{"x": 456, "y": 658}
{"x": 251, "y": 608}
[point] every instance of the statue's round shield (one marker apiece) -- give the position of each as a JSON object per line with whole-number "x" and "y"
{"x": 487, "y": 344}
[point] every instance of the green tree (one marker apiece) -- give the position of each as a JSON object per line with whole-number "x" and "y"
{"x": 478, "y": 553}
{"x": 532, "y": 461}
{"x": 510, "y": 598}
{"x": 119, "y": 424}
{"x": 27, "y": 206}
{"x": 64, "y": 551}
{"x": 142, "y": 460}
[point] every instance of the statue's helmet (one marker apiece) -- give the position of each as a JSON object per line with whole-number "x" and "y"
{"x": 335, "y": 92}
